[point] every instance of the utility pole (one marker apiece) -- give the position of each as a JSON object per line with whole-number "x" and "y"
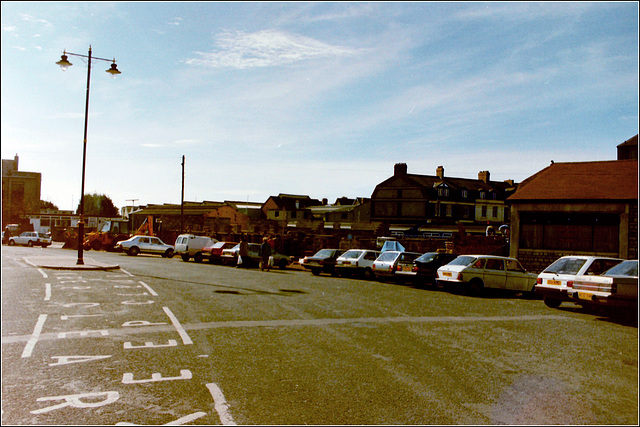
{"x": 182, "y": 201}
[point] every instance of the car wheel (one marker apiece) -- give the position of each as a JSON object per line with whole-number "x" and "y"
{"x": 551, "y": 302}
{"x": 96, "y": 245}
{"x": 185, "y": 257}
{"x": 134, "y": 251}
{"x": 282, "y": 264}
{"x": 368, "y": 274}
{"x": 30, "y": 244}
{"x": 315, "y": 271}
{"x": 197, "y": 257}
{"x": 169, "y": 253}
{"x": 476, "y": 286}
{"x": 12, "y": 243}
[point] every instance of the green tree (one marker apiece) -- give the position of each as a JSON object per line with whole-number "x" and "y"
{"x": 47, "y": 205}
{"x": 98, "y": 205}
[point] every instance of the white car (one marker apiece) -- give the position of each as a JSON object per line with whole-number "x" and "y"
{"x": 386, "y": 265}
{"x": 556, "y": 280}
{"x": 145, "y": 245}
{"x": 487, "y": 271}
{"x": 189, "y": 246}
{"x": 616, "y": 287}
{"x": 357, "y": 261}
{"x": 30, "y": 238}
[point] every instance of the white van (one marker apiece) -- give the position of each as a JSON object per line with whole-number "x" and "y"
{"x": 189, "y": 245}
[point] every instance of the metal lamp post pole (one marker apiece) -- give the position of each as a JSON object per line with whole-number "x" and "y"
{"x": 84, "y": 163}
{"x": 64, "y": 64}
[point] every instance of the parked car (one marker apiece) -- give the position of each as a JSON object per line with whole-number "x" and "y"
{"x": 30, "y": 238}
{"x": 357, "y": 261}
{"x": 616, "y": 287}
{"x": 145, "y": 245}
{"x": 555, "y": 281}
{"x": 323, "y": 261}
{"x": 190, "y": 246}
{"x": 487, "y": 271}
{"x": 386, "y": 265}
{"x": 230, "y": 257}
{"x": 214, "y": 252}
{"x": 424, "y": 269}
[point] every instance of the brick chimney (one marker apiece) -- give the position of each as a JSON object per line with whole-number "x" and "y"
{"x": 400, "y": 169}
{"x": 440, "y": 172}
{"x": 484, "y": 176}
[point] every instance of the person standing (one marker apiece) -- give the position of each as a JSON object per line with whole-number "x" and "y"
{"x": 243, "y": 252}
{"x": 265, "y": 253}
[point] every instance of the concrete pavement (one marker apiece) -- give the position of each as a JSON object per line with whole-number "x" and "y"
{"x": 68, "y": 262}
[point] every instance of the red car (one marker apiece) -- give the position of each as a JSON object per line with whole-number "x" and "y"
{"x": 214, "y": 252}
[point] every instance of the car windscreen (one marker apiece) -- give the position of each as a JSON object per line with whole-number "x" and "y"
{"x": 626, "y": 268}
{"x": 463, "y": 260}
{"x": 566, "y": 266}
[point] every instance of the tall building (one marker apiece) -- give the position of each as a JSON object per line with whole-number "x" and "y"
{"x": 20, "y": 193}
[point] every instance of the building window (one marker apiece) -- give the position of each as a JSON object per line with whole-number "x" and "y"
{"x": 449, "y": 210}
{"x": 495, "y": 212}
{"x": 465, "y": 194}
{"x": 483, "y": 195}
{"x": 484, "y": 212}
{"x": 570, "y": 232}
{"x": 443, "y": 191}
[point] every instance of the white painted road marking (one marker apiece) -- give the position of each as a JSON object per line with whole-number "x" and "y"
{"x": 174, "y": 320}
{"x": 220, "y": 404}
{"x": 28, "y": 349}
{"x": 148, "y": 288}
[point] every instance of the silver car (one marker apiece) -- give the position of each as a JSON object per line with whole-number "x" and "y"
{"x": 30, "y": 238}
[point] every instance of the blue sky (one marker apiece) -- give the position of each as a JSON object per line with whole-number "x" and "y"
{"x": 320, "y": 99}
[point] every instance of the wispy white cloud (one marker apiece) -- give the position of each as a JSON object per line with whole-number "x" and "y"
{"x": 34, "y": 20}
{"x": 264, "y": 49}
{"x": 176, "y": 21}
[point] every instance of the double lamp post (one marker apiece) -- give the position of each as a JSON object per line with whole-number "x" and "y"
{"x": 64, "y": 64}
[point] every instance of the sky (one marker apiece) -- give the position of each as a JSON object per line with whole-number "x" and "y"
{"x": 317, "y": 99}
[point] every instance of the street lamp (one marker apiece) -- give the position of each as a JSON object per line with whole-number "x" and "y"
{"x": 64, "y": 64}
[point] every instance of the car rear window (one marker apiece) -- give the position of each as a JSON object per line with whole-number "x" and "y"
{"x": 463, "y": 260}
{"x": 324, "y": 253}
{"x": 566, "y": 266}
{"x": 388, "y": 256}
{"x": 428, "y": 257}
{"x": 625, "y": 268}
{"x": 352, "y": 254}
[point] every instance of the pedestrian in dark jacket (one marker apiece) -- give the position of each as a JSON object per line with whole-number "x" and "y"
{"x": 265, "y": 253}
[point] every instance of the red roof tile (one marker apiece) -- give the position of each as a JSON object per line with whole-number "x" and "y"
{"x": 607, "y": 180}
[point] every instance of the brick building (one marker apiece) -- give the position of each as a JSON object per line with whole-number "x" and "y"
{"x": 20, "y": 193}
{"x": 588, "y": 208}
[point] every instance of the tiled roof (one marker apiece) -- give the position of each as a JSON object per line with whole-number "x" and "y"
{"x": 429, "y": 181}
{"x": 606, "y": 180}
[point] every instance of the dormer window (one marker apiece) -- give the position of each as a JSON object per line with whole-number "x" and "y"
{"x": 465, "y": 193}
{"x": 483, "y": 194}
{"x": 443, "y": 191}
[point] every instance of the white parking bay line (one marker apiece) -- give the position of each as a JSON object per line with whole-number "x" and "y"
{"x": 220, "y": 404}
{"x": 151, "y": 291}
{"x": 174, "y": 320}
{"x": 28, "y": 349}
